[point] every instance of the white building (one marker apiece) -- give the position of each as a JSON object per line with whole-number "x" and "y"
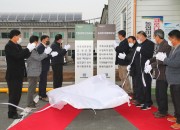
{"x": 130, "y": 14}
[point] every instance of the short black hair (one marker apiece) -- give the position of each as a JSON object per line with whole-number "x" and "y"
{"x": 174, "y": 33}
{"x": 13, "y": 33}
{"x": 33, "y": 39}
{"x": 44, "y": 37}
{"x": 58, "y": 36}
{"x": 132, "y": 37}
{"x": 142, "y": 33}
{"x": 122, "y": 33}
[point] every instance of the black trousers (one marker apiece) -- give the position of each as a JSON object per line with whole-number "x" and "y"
{"x": 134, "y": 84}
{"x": 57, "y": 75}
{"x": 15, "y": 91}
{"x": 161, "y": 96}
{"x": 175, "y": 94}
{"x": 144, "y": 92}
{"x": 43, "y": 84}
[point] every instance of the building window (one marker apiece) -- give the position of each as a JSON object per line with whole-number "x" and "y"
{"x": 71, "y": 34}
{"x": 5, "y": 35}
{"x": 39, "y": 34}
{"x": 124, "y": 20}
{"x": 26, "y": 35}
{"x": 69, "y": 52}
{"x": 2, "y": 53}
{"x": 53, "y": 34}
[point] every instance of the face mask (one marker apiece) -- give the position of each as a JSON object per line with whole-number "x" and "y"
{"x": 47, "y": 43}
{"x": 131, "y": 45}
{"x": 139, "y": 41}
{"x": 19, "y": 41}
{"x": 154, "y": 41}
{"x": 170, "y": 43}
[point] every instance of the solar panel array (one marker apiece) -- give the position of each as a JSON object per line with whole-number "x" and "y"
{"x": 40, "y": 17}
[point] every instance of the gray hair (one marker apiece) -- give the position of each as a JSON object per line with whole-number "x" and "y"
{"x": 159, "y": 33}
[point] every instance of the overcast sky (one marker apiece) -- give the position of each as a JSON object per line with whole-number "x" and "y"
{"x": 89, "y": 8}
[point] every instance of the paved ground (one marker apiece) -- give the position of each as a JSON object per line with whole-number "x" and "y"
{"x": 86, "y": 120}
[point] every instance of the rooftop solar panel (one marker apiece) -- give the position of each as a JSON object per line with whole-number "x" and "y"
{"x": 29, "y": 17}
{"x": 37, "y": 17}
{"x": 54, "y": 17}
{"x": 12, "y": 17}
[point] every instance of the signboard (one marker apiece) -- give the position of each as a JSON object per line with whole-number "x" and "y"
{"x": 150, "y": 24}
{"x": 105, "y": 50}
{"x": 83, "y": 52}
{"x": 168, "y": 27}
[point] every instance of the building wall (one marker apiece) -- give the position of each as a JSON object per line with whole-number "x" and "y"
{"x": 115, "y": 10}
{"x": 169, "y": 9}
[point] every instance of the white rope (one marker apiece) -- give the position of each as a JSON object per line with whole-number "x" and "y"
{"x": 143, "y": 80}
{"x": 13, "y": 106}
{"x": 128, "y": 71}
{"x": 45, "y": 108}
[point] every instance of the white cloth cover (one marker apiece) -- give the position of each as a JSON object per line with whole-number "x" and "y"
{"x": 94, "y": 93}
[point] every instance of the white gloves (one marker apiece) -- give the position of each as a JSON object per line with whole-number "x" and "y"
{"x": 128, "y": 68}
{"x": 161, "y": 56}
{"x": 138, "y": 49}
{"x": 67, "y": 47}
{"x": 122, "y": 56}
{"x": 147, "y": 69}
{"x": 147, "y": 63}
{"x": 54, "y": 53}
{"x": 31, "y": 46}
{"x": 115, "y": 44}
{"x": 47, "y": 50}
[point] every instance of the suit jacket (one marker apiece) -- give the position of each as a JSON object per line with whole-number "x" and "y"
{"x": 59, "y": 59}
{"x": 34, "y": 65}
{"x": 158, "y": 66}
{"x": 15, "y": 56}
{"x": 129, "y": 58}
{"x": 45, "y": 62}
{"x": 173, "y": 67}
{"x": 146, "y": 52}
{"x": 123, "y": 47}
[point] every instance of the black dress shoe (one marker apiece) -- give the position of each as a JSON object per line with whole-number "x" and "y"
{"x": 15, "y": 116}
{"x": 157, "y": 112}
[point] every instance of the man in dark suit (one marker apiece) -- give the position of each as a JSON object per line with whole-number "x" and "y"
{"x": 15, "y": 72}
{"x": 131, "y": 67}
{"x": 45, "y": 68}
{"x": 58, "y": 61}
{"x": 144, "y": 52}
{"x": 121, "y": 51}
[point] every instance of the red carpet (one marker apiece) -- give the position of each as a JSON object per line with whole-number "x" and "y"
{"x": 51, "y": 119}
{"x": 143, "y": 120}
{"x": 54, "y": 119}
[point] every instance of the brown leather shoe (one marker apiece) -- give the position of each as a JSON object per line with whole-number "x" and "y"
{"x": 176, "y": 126}
{"x": 159, "y": 115}
{"x": 172, "y": 119}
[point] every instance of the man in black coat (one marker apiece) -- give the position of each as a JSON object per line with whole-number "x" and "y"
{"x": 131, "y": 67}
{"x": 123, "y": 49}
{"x": 144, "y": 52}
{"x": 45, "y": 68}
{"x": 58, "y": 61}
{"x": 15, "y": 72}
